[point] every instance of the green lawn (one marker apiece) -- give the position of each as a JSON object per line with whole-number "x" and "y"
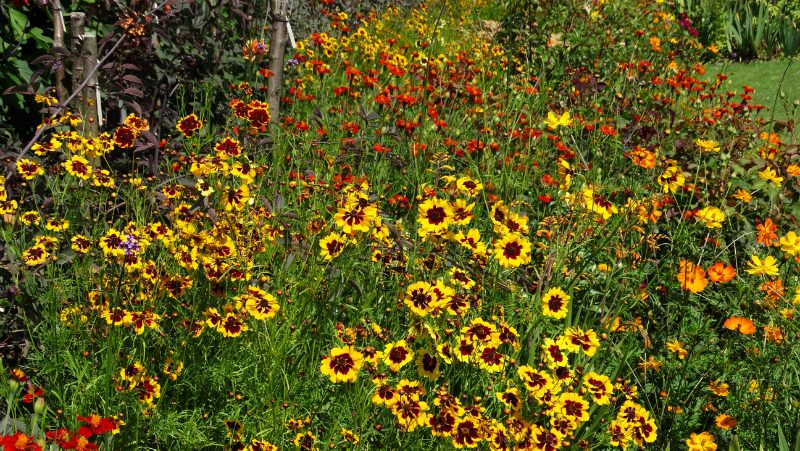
{"x": 764, "y": 77}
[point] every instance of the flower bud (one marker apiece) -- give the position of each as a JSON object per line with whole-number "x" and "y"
{"x": 38, "y": 406}
{"x": 13, "y": 385}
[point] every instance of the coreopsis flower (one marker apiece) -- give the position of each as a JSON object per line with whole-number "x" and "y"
{"x": 435, "y": 215}
{"x": 469, "y": 186}
{"x": 342, "y": 365}
{"x": 44, "y": 148}
{"x": 510, "y": 398}
{"x": 258, "y": 114}
{"x": 565, "y": 173}
{"x": 770, "y": 175}
{"x": 472, "y": 241}
{"x": 619, "y": 434}
{"x": 512, "y": 251}
{"x": 536, "y": 381}
{"x": 148, "y": 389}
{"x": 718, "y": 388}
{"x": 768, "y": 266}
{"x": 573, "y": 407}
{"x": 707, "y": 145}
{"x": 553, "y": 121}
{"x": 30, "y": 218}
{"x": 672, "y": 178}
{"x": 643, "y": 429}
{"x": 467, "y": 433}
{"x": 692, "y": 277}
{"x": 172, "y": 369}
{"x": 349, "y": 436}
{"x": 677, "y": 347}
{"x": 427, "y": 365}
{"x": 462, "y": 213}
{"x": 555, "y": 303}
{"x": 720, "y": 273}
{"x": 355, "y": 218}
{"x": 261, "y": 305}
{"x": 701, "y": 442}
{"x": 599, "y": 387}
{"x": 711, "y": 216}
{"x": 228, "y": 148}
{"x": 236, "y": 198}
{"x": 244, "y": 171}
{"x": 188, "y": 125}
{"x": 332, "y": 246}
{"x": 125, "y": 136}
{"x": 103, "y": 177}
{"x": 420, "y": 298}
{"x": 35, "y": 255}
{"x": 306, "y": 440}
{"x": 554, "y": 353}
{"x": 29, "y": 169}
{"x": 231, "y": 325}
{"x": 396, "y": 355}
{"x": 790, "y": 243}
{"x": 599, "y": 204}
{"x": 489, "y": 358}
{"x": 576, "y": 340}
{"x": 262, "y": 445}
{"x": 57, "y": 224}
{"x": 78, "y": 167}
{"x": 461, "y": 278}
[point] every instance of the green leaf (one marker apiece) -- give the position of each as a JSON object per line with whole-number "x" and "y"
{"x": 38, "y": 35}
{"x": 783, "y": 445}
{"x": 18, "y": 21}
{"x": 735, "y": 444}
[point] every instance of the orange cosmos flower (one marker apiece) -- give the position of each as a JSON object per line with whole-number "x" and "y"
{"x": 726, "y": 422}
{"x": 692, "y": 277}
{"x": 766, "y": 233}
{"x": 721, "y": 273}
{"x": 744, "y": 325}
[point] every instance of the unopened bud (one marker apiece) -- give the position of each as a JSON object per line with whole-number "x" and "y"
{"x": 13, "y": 385}
{"x": 38, "y": 406}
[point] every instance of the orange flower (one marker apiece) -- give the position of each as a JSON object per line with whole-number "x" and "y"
{"x": 720, "y": 273}
{"x": 773, "y": 333}
{"x": 793, "y": 170}
{"x": 692, "y": 277}
{"x": 766, "y": 233}
{"x": 726, "y": 422}
{"x": 744, "y": 325}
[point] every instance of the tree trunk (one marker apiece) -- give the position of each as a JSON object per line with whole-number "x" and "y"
{"x": 58, "y": 41}
{"x": 277, "y": 47}
{"x": 77, "y": 23}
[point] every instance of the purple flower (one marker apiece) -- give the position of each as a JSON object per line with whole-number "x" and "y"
{"x": 261, "y": 47}
{"x": 292, "y": 62}
{"x": 57, "y": 65}
{"x": 130, "y": 245}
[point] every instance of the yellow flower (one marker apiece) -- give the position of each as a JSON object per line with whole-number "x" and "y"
{"x": 711, "y": 216}
{"x": 768, "y": 266}
{"x": 332, "y": 245}
{"x": 342, "y": 365}
{"x": 676, "y": 346}
{"x": 701, "y": 442}
{"x": 770, "y": 175}
{"x": 555, "y": 303}
{"x": 78, "y": 166}
{"x": 790, "y": 243}
{"x": 707, "y": 145}
{"x": 719, "y": 388}
{"x": 512, "y": 251}
{"x": 554, "y": 122}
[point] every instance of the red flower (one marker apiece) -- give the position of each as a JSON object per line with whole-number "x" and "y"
{"x": 98, "y": 425}
{"x": 19, "y": 442}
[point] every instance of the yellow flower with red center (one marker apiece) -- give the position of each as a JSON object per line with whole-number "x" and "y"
{"x": 427, "y": 365}
{"x": 231, "y": 325}
{"x": 512, "y": 251}
{"x": 29, "y": 169}
{"x": 420, "y": 298}
{"x": 536, "y": 381}
{"x": 435, "y": 215}
{"x": 555, "y": 303}
{"x": 510, "y": 397}
{"x": 78, "y": 167}
{"x": 576, "y": 340}
{"x": 332, "y": 246}
{"x": 599, "y": 386}
{"x": 469, "y": 186}
{"x": 236, "y": 198}
{"x": 189, "y": 124}
{"x": 35, "y": 255}
{"x": 573, "y": 407}
{"x": 342, "y": 365}
{"x": 396, "y": 355}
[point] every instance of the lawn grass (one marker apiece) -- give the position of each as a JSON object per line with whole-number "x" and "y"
{"x": 763, "y": 76}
